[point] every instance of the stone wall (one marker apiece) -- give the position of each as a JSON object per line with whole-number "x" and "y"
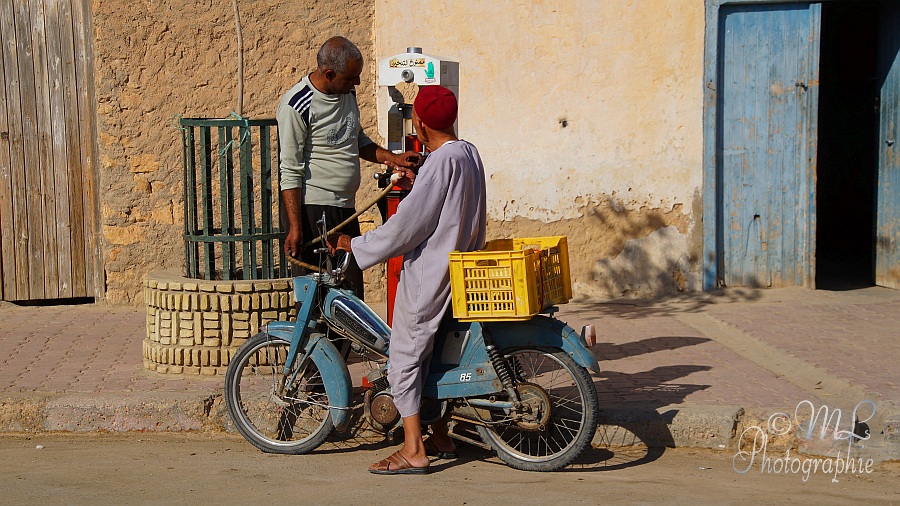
{"x": 598, "y": 106}
{"x": 156, "y": 60}
{"x": 195, "y": 327}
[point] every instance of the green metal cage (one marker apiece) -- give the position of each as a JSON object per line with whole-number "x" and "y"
{"x": 228, "y": 235}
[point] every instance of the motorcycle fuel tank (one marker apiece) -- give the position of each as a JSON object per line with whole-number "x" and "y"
{"x": 358, "y": 322}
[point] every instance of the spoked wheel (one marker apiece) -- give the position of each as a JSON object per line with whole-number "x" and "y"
{"x": 559, "y": 416}
{"x": 295, "y": 421}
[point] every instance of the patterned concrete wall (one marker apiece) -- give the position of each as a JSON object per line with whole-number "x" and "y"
{"x": 194, "y": 327}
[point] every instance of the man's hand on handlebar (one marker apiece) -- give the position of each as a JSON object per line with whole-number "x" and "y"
{"x": 406, "y": 165}
{"x": 407, "y": 178}
{"x": 338, "y": 241}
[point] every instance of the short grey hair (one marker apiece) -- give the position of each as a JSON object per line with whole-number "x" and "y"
{"x": 336, "y": 53}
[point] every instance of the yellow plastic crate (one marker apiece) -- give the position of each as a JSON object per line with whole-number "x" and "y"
{"x": 511, "y": 279}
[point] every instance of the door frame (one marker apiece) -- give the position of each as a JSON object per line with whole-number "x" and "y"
{"x": 886, "y": 250}
{"x": 713, "y": 256}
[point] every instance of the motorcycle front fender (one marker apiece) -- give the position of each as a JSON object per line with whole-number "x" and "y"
{"x": 545, "y": 332}
{"x": 332, "y": 367}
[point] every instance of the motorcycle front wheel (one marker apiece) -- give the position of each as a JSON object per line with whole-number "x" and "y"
{"x": 566, "y": 410}
{"x": 296, "y": 420}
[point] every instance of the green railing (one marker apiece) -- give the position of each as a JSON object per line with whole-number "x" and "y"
{"x": 227, "y": 237}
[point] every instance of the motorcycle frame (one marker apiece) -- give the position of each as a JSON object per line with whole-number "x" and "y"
{"x": 460, "y": 366}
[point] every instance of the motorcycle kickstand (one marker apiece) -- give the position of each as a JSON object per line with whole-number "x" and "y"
{"x": 395, "y": 434}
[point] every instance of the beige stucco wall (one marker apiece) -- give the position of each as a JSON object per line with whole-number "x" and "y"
{"x": 622, "y": 178}
{"x": 588, "y": 116}
{"x": 157, "y": 59}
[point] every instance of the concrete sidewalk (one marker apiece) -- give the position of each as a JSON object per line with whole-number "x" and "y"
{"x": 690, "y": 371}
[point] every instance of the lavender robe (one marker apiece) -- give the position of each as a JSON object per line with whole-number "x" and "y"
{"x": 444, "y": 212}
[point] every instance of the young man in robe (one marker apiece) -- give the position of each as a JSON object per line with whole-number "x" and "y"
{"x": 445, "y": 211}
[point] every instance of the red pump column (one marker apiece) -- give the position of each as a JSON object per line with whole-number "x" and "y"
{"x": 402, "y": 75}
{"x": 394, "y": 265}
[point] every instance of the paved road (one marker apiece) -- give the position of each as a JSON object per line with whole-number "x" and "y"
{"x": 220, "y": 469}
{"x": 684, "y": 371}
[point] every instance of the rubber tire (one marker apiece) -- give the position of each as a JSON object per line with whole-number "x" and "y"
{"x": 236, "y": 368}
{"x": 579, "y": 443}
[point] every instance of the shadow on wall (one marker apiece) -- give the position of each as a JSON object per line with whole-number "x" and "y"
{"x": 651, "y": 252}
{"x": 620, "y": 253}
{"x": 654, "y": 261}
{"x": 648, "y": 266}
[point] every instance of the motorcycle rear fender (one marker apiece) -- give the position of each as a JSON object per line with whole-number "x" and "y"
{"x": 546, "y": 332}
{"x": 331, "y": 366}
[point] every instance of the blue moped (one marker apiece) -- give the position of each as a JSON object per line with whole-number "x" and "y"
{"x": 522, "y": 385}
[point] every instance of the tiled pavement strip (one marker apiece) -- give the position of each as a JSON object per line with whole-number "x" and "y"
{"x": 851, "y": 337}
{"x": 762, "y": 350}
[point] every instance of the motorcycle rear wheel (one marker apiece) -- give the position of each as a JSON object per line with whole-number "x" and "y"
{"x": 572, "y": 419}
{"x": 294, "y": 423}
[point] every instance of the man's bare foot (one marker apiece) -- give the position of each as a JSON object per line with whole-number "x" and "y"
{"x": 397, "y": 463}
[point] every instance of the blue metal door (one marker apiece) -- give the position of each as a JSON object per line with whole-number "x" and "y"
{"x": 767, "y": 106}
{"x": 887, "y": 198}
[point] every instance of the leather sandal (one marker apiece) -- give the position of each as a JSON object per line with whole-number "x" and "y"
{"x": 397, "y": 464}
{"x": 432, "y": 450}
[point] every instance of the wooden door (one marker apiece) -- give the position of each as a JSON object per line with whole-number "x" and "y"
{"x": 887, "y": 198}
{"x": 48, "y": 207}
{"x": 768, "y": 65}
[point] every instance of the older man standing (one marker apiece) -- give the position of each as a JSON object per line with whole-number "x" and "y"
{"x": 321, "y": 142}
{"x": 444, "y": 212}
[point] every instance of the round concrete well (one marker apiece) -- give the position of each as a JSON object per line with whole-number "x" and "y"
{"x": 194, "y": 326}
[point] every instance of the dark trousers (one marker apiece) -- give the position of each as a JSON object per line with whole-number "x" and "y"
{"x": 334, "y": 216}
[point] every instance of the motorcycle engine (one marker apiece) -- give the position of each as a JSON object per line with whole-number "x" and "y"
{"x": 383, "y": 410}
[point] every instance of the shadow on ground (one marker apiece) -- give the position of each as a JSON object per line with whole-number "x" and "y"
{"x": 635, "y": 408}
{"x": 614, "y": 447}
{"x": 691, "y": 302}
{"x": 635, "y": 417}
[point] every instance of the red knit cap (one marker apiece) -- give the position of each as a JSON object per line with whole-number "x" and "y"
{"x": 436, "y": 106}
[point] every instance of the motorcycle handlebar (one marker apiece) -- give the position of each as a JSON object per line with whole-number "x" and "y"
{"x": 342, "y": 267}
